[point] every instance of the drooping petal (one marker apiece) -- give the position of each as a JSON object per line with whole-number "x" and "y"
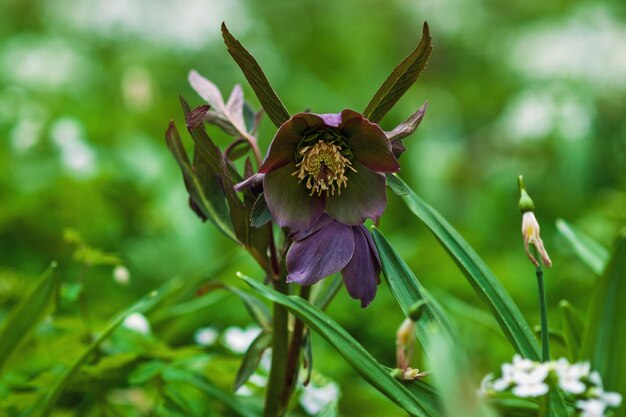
{"x": 324, "y": 220}
{"x": 283, "y": 147}
{"x": 360, "y": 276}
{"x": 321, "y": 254}
{"x": 289, "y": 201}
{"x": 363, "y": 198}
{"x": 368, "y": 142}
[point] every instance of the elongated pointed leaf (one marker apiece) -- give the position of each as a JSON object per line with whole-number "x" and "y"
{"x": 207, "y": 197}
{"x": 605, "y": 340}
{"x": 44, "y": 407}
{"x": 402, "y": 77}
{"x": 251, "y": 359}
{"x": 272, "y": 105}
{"x": 484, "y": 282}
{"x": 257, "y": 310}
{"x": 407, "y": 291}
{"x": 420, "y": 401}
{"x": 591, "y": 253}
{"x": 332, "y": 285}
{"x": 27, "y": 313}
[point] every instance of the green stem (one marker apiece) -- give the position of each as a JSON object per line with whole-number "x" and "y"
{"x": 293, "y": 359}
{"x": 278, "y": 371}
{"x": 545, "y": 337}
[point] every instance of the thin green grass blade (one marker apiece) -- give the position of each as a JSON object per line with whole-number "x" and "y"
{"x": 420, "y": 401}
{"x": 484, "y": 282}
{"x": 574, "y": 327}
{"x": 45, "y": 406}
{"x": 233, "y": 402}
{"x": 605, "y": 340}
{"x": 27, "y": 313}
{"x": 590, "y": 252}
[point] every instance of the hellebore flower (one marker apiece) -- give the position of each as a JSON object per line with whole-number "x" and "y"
{"x": 330, "y": 246}
{"x": 327, "y": 163}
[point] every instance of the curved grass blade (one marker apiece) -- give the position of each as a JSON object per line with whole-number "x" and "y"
{"x": 401, "y": 78}
{"x": 27, "y": 313}
{"x": 605, "y": 340}
{"x": 407, "y": 291}
{"x": 420, "y": 401}
{"x": 484, "y": 282}
{"x": 272, "y": 105}
{"x": 44, "y": 407}
{"x": 231, "y": 401}
{"x": 574, "y": 328}
{"x": 590, "y": 252}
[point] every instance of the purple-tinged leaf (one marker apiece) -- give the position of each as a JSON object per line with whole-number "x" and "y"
{"x": 260, "y": 214}
{"x": 274, "y": 108}
{"x": 196, "y": 116}
{"x": 402, "y": 77}
{"x": 207, "y": 90}
{"x": 405, "y": 129}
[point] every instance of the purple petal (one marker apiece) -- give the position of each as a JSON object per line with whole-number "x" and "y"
{"x": 324, "y": 220}
{"x": 360, "y": 276}
{"x": 283, "y": 147}
{"x": 289, "y": 201}
{"x": 368, "y": 143}
{"x": 321, "y": 254}
{"x": 331, "y": 119}
{"x": 363, "y": 198}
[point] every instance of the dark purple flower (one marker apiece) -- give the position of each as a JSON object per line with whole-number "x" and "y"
{"x": 329, "y": 246}
{"x": 327, "y": 163}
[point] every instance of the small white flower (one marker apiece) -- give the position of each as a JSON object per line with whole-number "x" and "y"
{"x": 505, "y": 382}
{"x": 486, "y": 385}
{"x": 258, "y": 380}
{"x": 530, "y": 383}
{"x": 570, "y": 375}
{"x": 591, "y": 408}
{"x": 138, "y": 323}
{"x": 205, "y": 336}
{"x": 121, "y": 275}
{"x": 238, "y": 339}
{"x": 244, "y": 391}
{"x": 314, "y": 398}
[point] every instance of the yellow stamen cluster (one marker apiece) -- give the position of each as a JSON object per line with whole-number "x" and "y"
{"x": 324, "y": 168}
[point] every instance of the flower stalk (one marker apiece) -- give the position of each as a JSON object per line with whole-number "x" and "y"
{"x": 543, "y": 309}
{"x": 274, "y": 406}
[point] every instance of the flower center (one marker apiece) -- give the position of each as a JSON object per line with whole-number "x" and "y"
{"x": 324, "y": 168}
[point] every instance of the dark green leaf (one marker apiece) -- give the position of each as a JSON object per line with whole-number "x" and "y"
{"x": 251, "y": 359}
{"x": 605, "y": 340}
{"x": 421, "y": 401}
{"x": 574, "y": 328}
{"x": 402, "y": 77}
{"x": 27, "y": 313}
{"x": 260, "y": 214}
{"x": 594, "y": 255}
{"x": 257, "y": 310}
{"x": 252, "y": 71}
{"x": 484, "y": 282}
{"x": 212, "y": 205}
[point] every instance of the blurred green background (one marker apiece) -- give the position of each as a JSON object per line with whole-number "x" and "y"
{"x": 87, "y": 88}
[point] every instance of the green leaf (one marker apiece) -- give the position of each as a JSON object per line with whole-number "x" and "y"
{"x": 605, "y": 340}
{"x": 45, "y": 405}
{"x": 251, "y": 359}
{"x": 402, "y": 77}
{"x": 233, "y": 402}
{"x": 484, "y": 282}
{"x": 591, "y": 253}
{"x": 212, "y": 205}
{"x": 332, "y": 285}
{"x": 257, "y": 310}
{"x": 407, "y": 291}
{"x": 272, "y": 105}
{"x": 260, "y": 214}
{"x": 27, "y": 313}
{"x": 574, "y": 328}
{"x": 420, "y": 401}
{"x": 453, "y": 378}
